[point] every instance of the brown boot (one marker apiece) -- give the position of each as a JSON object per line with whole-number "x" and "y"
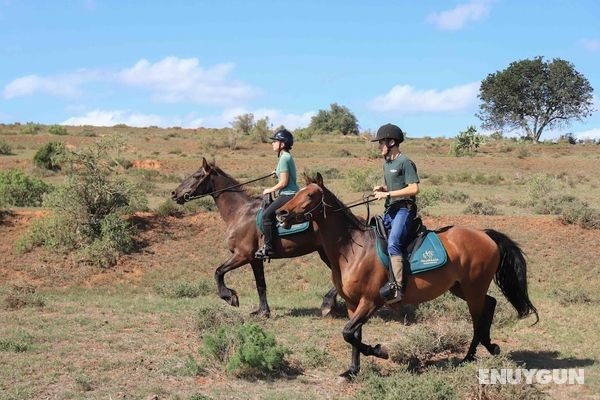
{"x": 393, "y": 291}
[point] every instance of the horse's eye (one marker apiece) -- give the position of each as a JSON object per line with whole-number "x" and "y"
{"x": 309, "y": 195}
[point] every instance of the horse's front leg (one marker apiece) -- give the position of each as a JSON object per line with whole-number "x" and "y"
{"x": 261, "y": 287}
{"x": 229, "y": 295}
{"x": 353, "y": 334}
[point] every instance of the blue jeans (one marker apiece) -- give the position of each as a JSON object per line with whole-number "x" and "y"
{"x": 398, "y": 221}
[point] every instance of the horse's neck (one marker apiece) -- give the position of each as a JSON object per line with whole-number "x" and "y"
{"x": 338, "y": 240}
{"x": 229, "y": 202}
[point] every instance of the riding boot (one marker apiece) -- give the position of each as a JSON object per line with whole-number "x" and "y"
{"x": 393, "y": 290}
{"x": 266, "y": 251}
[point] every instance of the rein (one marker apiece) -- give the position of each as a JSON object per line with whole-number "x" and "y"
{"x": 188, "y": 197}
{"x": 308, "y": 215}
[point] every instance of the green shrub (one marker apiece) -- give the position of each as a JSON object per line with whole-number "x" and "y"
{"x": 5, "y": 148}
{"x": 466, "y": 142}
{"x": 326, "y": 172}
{"x": 456, "y": 196}
{"x": 315, "y": 357}
{"x": 31, "y": 128}
{"x": 581, "y": 214}
{"x": 90, "y": 209}
{"x": 428, "y": 197}
{"x": 478, "y": 208}
{"x": 572, "y": 296}
{"x": 436, "y": 179}
{"x": 540, "y": 186}
{"x": 211, "y": 318}
{"x": 184, "y": 289}
{"x": 555, "y": 204}
{"x": 47, "y": 156}
{"x": 20, "y": 190}
{"x": 361, "y": 179}
{"x": 246, "y": 349}
{"x": 58, "y": 130}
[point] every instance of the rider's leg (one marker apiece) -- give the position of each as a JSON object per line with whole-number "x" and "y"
{"x": 269, "y": 226}
{"x": 393, "y": 291}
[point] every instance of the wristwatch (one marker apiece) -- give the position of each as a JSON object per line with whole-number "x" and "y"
{"x": 389, "y": 195}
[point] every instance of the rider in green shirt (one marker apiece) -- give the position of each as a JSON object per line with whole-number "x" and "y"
{"x": 282, "y": 142}
{"x": 401, "y": 187}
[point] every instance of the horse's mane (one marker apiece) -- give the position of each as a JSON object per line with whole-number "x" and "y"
{"x": 352, "y": 221}
{"x": 233, "y": 182}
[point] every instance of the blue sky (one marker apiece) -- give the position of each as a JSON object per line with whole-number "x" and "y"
{"x": 201, "y": 63}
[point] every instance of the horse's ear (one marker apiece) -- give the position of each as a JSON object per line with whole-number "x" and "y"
{"x": 307, "y": 179}
{"x": 319, "y": 179}
{"x": 205, "y": 165}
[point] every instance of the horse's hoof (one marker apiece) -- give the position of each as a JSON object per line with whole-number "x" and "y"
{"x": 494, "y": 349}
{"x": 468, "y": 358}
{"x": 325, "y": 311}
{"x": 350, "y": 374}
{"x": 381, "y": 352}
{"x": 261, "y": 313}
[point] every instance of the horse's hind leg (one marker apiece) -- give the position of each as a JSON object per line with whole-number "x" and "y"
{"x": 261, "y": 286}
{"x": 229, "y": 295}
{"x": 486, "y": 323}
{"x": 476, "y": 308}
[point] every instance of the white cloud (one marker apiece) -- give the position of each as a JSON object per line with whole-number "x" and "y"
{"x": 114, "y": 117}
{"x": 589, "y": 134}
{"x": 456, "y": 18}
{"x": 182, "y": 79}
{"x": 276, "y": 118}
{"x": 65, "y": 85}
{"x": 407, "y": 99}
{"x": 591, "y": 44}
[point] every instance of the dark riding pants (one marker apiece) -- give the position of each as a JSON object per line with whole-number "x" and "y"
{"x": 269, "y": 216}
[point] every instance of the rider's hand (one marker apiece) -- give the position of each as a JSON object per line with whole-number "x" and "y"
{"x": 378, "y": 188}
{"x": 380, "y": 195}
{"x": 267, "y": 191}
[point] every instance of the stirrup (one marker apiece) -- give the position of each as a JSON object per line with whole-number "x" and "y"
{"x": 391, "y": 293}
{"x": 264, "y": 253}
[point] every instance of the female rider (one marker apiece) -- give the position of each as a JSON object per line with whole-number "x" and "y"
{"x": 282, "y": 142}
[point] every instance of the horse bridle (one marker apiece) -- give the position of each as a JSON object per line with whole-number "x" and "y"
{"x": 310, "y": 214}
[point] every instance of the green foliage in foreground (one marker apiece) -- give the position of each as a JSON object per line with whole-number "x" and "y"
{"x": 18, "y": 189}
{"x": 246, "y": 349}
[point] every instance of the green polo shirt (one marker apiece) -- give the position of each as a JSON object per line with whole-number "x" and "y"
{"x": 286, "y": 164}
{"x": 398, "y": 174}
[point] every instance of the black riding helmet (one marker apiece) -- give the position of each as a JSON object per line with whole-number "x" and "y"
{"x": 389, "y": 131}
{"x": 284, "y": 136}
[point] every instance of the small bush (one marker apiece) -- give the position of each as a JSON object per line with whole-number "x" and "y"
{"x": 456, "y": 196}
{"x": 47, "y": 156}
{"x": 428, "y": 197}
{"x": 314, "y": 357}
{"x": 184, "y": 289}
{"x": 20, "y": 190}
{"x": 31, "y": 128}
{"x": 361, "y": 180}
{"x": 211, "y": 318}
{"x": 580, "y": 214}
{"x": 436, "y": 179}
{"x": 568, "y": 297}
{"x": 5, "y": 148}
{"x": 478, "y": 208}
{"x": 23, "y": 296}
{"x": 555, "y": 204}
{"x": 246, "y": 349}
{"x": 466, "y": 142}
{"x": 12, "y": 346}
{"x": 58, "y": 130}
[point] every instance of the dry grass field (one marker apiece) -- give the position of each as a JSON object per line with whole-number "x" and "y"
{"x": 138, "y": 330}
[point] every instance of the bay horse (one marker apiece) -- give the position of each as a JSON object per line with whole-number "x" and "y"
{"x": 238, "y": 209}
{"x": 475, "y": 257}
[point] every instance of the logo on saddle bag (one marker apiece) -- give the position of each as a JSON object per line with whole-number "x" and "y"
{"x": 429, "y": 257}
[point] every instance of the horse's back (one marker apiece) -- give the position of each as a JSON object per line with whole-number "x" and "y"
{"x": 468, "y": 246}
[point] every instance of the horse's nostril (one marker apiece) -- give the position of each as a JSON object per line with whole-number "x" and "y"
{"x": 282, "y": 213}
{"x": 173, "y": 195}
{"x": 186, "y": 196}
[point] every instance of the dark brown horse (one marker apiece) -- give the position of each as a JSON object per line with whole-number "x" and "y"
{"x": 238, "y": 209}
{"x": 475, "y": 257}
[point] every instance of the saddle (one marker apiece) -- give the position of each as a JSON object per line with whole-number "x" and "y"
{"x": 425, "y": 250}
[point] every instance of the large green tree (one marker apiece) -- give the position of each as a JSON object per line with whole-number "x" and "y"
{"x": 533, "y": 95}
{"x": 337, "y": 119}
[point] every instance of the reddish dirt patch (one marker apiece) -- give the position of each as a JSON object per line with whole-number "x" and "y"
{"x": 147, "y": 164}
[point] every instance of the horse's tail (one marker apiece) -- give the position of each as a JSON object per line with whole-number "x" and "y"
{"x": 511, "y": 276}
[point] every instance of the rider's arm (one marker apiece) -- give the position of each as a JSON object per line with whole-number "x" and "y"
{"x": 284, "y": 178}
{"x": 410, "y": 190}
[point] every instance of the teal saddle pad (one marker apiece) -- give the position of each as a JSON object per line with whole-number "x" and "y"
{"x": 281, "y": 231}
{"x": 430, "y": 255}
